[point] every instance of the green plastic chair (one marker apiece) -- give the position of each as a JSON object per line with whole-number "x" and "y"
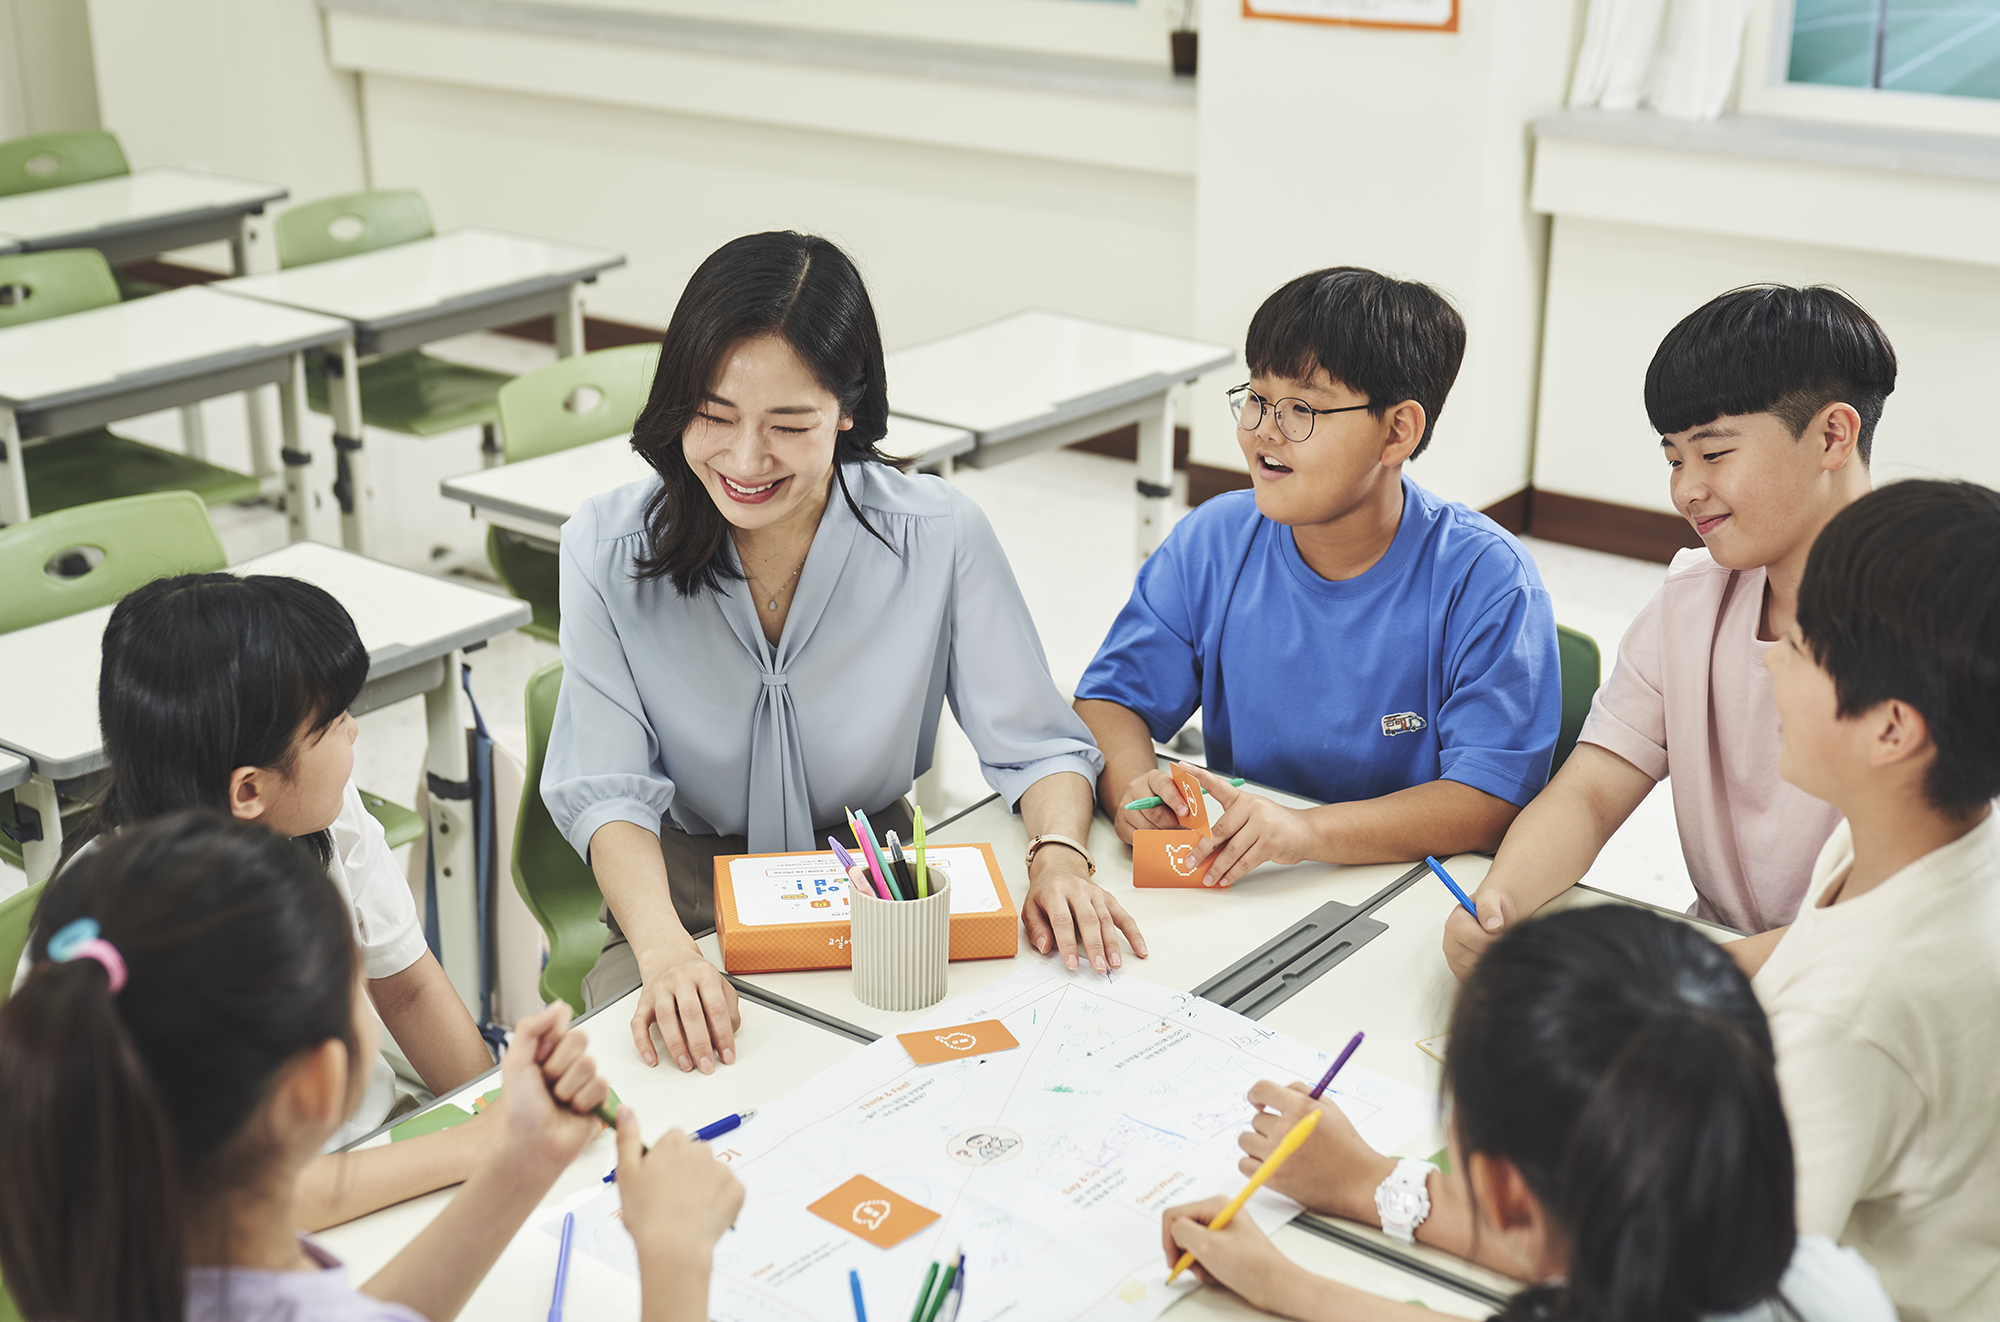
{"x": 1582, "y": 668}
{"x": 17, "y": 915}
{"x": 136, "y": 540}
{"x": 556, "y": 885}
{"x": 408, "y": 392}
{"x": 54, "y": 160}
{"x": 571, "y": 402}
{"x": 97, "y": 465}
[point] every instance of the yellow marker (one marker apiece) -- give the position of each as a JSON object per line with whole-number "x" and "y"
{"x": 1287, "y": 1145}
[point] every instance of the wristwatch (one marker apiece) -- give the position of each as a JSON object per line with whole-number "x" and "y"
{"x": 1053, "y": 839}
{"x": 1404, "y": 1199}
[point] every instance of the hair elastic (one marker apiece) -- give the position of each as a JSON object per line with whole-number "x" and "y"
{"x": 80, "y": 940}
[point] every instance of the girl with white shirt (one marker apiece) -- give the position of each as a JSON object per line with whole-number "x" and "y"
{"x": 1616, "y": 1141}
{"x": 230, "y": 693}
{"x": 765, "y": 632}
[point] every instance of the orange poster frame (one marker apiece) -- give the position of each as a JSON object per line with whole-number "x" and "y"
{"x": 1250, "y": 10}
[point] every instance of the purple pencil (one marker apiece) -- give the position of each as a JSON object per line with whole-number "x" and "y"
{"x": 848, "y": 861}
{"x": 1338, "y": 1061}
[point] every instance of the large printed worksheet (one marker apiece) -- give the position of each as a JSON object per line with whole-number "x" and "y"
{"x": 1048, "y": 1163}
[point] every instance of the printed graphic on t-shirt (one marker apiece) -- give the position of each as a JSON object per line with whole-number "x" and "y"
{"x": 1403, "y": 722}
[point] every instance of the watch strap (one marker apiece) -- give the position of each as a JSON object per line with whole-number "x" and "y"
{"x": 1051, "y": 838}
{"x": 1403, "y": 1200}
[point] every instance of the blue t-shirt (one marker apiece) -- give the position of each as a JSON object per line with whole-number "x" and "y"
{"x": 1438, "y": 663}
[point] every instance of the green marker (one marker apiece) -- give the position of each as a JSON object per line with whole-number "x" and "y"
{"x": 1153, "y": 801}
{"x": 923, "y": 873}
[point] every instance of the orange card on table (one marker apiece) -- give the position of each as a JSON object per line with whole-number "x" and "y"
{"x": 1196, "y": 818}
{"x": 1166, "y": 858}
{"x": 881, "y": 1216}
{"x": 941, "y": 1044}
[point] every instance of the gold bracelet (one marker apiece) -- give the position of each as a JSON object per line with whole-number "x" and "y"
{"x": 1050, "y": 838}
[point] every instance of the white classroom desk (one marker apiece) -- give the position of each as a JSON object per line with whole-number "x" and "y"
{"x": 536, "y": 497}
{"x": 1037, "y": 380}
{"x": 778, "y": 1053}
{"x": 139, "y": 214}
{"x": 67, "y": 374}
{"x": 410, "y": 294}
{"x": 415, "y": 629}
{"x": 1191, "y": 934}
{"x": 13, "y": 770}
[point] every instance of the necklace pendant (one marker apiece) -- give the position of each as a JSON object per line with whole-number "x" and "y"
{"x": 771, "y": 605}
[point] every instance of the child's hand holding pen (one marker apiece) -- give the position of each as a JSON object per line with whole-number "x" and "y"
{"x": 550, "y": 1086}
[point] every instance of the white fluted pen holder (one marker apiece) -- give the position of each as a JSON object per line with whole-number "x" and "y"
{"x": 900, "y": 948}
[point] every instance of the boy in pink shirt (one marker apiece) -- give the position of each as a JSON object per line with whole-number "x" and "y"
{"x": 1766, "y": 401}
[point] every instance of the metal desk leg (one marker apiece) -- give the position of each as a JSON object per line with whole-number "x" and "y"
{"x": 351, "y": 485}
{"x": 194, "y": 435}
{"x": 38, "y": 857}
{"x": 13, "y": 471}
{"x": 248, "y": 254}
{"x": 300, "y": 498}
{"x": 569, "y": 323}
{"x": 454, "y": 859}
{"x": 1156, "y": 479}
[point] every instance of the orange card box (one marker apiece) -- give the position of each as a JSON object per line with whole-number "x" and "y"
{"x": 766, "y": 946}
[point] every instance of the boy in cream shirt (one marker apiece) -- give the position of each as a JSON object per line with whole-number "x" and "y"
{"x": 1884, "y": 994}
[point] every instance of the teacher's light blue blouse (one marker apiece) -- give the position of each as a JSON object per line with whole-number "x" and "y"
{"x": 676, "y": 707}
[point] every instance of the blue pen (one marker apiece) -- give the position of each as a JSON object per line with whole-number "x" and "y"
{"x": 854, "y": 1284}
{"x": 705, "y": 1133}
{"x": 957, "y": 1300}
{"x": 1451, "y": 886}
{"x": 562, "y": 1266}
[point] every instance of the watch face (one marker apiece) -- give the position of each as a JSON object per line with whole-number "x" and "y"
{"x": 1401, "y": 1204}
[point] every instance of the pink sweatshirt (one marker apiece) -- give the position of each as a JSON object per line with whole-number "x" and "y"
{"x": 1690, "y": 678}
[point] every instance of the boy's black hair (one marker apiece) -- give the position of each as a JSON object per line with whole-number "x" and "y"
{"x": 1901, "y": 599}
{"x": 1772, "y": 349}
{"x": 1388, "y": 339}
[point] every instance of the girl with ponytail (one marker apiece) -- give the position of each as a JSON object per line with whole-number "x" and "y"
{"x": 188, "y": 1037}
{"x": 1616, "y": 1140}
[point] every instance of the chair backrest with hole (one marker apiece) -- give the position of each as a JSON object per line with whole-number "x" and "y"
{"x": 77, "y": 559}
{"x": 35, "y": 286}
{"x": 53, "y": 160}
{"x": 557, "y": 885}
{"x": 355, "y": 222}
{"x": 574, "y": 401}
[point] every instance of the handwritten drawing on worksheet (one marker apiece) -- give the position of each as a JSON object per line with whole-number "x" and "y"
{"x": 1049, "y": 1164}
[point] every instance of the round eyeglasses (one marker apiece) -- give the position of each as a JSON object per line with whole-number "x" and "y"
{"x": 1295, "y": 416}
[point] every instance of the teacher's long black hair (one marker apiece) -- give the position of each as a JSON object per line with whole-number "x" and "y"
{"x": 796, "y": 286}
{"x": 1619, "y": 1060}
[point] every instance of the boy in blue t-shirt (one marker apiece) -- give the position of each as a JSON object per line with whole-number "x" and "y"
{"x": 1347, "y": 635}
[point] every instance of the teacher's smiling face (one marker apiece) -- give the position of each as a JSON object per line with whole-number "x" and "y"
{"x": 762, "y": 439}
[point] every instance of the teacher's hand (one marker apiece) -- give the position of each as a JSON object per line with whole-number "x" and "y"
{"x": 1066, "y": 910}
{"x": 691, "y": 1004}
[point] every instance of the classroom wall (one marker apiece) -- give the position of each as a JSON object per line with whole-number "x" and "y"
{"x": 47, "y": 83}
{"x": 238, "y": 87}
{"x": 948, "y": 237}
{"x": 1616, "y": 289}
{"x": 1404, "y": 151}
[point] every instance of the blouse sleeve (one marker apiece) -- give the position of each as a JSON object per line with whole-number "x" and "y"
{"x": 614, "y": 773}
{"x": 999, "y": 683}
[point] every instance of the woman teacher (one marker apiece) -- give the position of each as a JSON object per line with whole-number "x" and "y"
{"x": 765, "y": 632}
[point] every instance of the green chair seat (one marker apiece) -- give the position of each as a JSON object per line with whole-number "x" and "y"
{"x": 1582, "y": 667}
{"x": 419, "y": 395}
{"x": 532, "y": 574}
{"x": 557, "y": 886}
{"x": 90, "y": 466}
{"x": 399, "y": 824}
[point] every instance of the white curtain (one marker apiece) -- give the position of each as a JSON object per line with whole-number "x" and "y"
{"x": 1677, "y": 57}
